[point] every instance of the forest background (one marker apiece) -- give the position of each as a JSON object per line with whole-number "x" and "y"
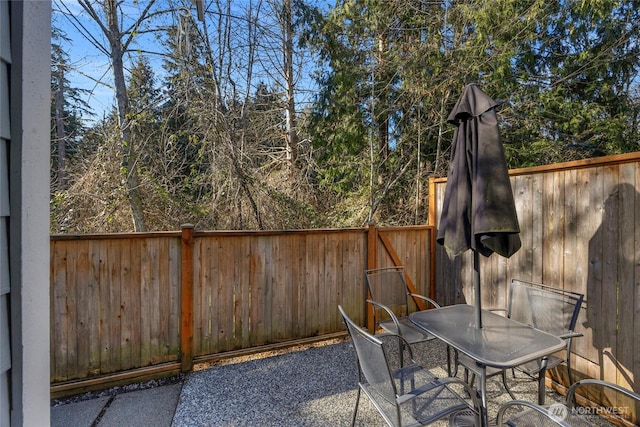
{"x": 287, "y": 114}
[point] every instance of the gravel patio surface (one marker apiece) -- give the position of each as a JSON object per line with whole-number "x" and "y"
{"x": 315, "y": 386}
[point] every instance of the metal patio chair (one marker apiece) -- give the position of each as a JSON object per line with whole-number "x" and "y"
{"x": 404, "y": 393}
{"x": 550, "y": 309}
{"x": 614, "y": 402}
{"x": 621, "y": 405}
{"x": 526, "y": 414}
{"x": 393, "y": 302}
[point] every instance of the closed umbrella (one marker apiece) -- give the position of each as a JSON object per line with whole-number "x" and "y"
{"x": 478, "y": 211}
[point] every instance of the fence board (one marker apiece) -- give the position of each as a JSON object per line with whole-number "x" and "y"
{"x": 119, "y": 260}
{"x": 608, "y": 322}
{"x": 593, "y": 293}
{"x": 331, "y": 282}
{"x": 59, "y": 345}
{"x": 71, "y": 296}
{"x": 626, "y": 267}
{"x": 636, "y": 279}
{"x": 584, "y": 230}
{"x": 313, "y": 267}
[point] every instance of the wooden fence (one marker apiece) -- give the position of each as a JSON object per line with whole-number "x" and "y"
{"x": 131, "y": 305}
{"x": 580, "y": 230}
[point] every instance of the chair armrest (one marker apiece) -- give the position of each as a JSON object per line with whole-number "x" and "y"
{"x": 389, "y": 312}
{"x": 427, "y": 299}
{"x": 532, "y": 409}
{"x": 570, "y": 335}
{"x": 504, "y": 310}
{"x": 402, "y": 342}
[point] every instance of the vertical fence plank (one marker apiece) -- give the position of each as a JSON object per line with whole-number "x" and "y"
{"x": 593, "y": 294}
{"x": 94, "y": 308}
{"x": 323, "y": 265}
{"x": 521, "y": 260}
{"x": 277, "y": 297}
{"x": 120, "y": 290}
{"x": 199, "y": 292}
{"x": 83, "y": 300}
{"x": 607, "y": 339}
{"x": 60, "y": 320}
{"x": 141, "y": 259}
{"x": 297, "y": 291}
{"x": 584, "y": 231}
{"x": 164, "y": 285}
{"x": 71, "y": 297}
{"x": 150, "y": 268}
{"x": 570, "y": 231}
{"x": 255, "y": 291}
{"x": 301, "y": 284}
{"x": 247, "y": 288}
{"x": 626, "y": 266}
{"x": 175, "y": 306}
{"x": 219, "y": 306}
{"x": 553, "y": 214}
{"x": 186, "y": 300}
{"x": 636, "y": 292}
{"x": 537, "y": 226}
{"x": 132, "y": 277}
{"x": 372, "y": 262}
{"x": 313, "y": 265}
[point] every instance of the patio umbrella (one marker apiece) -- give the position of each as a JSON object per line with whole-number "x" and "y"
{"x": 478, "y": 211}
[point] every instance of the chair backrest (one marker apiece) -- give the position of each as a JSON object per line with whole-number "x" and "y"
{"x": 387, "y": 285}
{"x": 553, "y": 310}
{"x": 520, "y": 412}
{"x": 372, "y": 360}
{"x": 605, "y": 396}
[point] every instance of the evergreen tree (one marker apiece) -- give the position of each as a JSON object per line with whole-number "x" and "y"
{"x": 67, "y": 109}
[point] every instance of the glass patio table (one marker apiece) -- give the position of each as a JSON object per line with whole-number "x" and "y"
{"x": 501, "y": 342}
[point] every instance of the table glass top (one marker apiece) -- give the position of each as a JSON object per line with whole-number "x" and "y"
{"x": 501, "y": 343}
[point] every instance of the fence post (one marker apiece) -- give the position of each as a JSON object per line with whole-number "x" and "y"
{"x": 186, "y": 299}
{"x": 372, "y": 262}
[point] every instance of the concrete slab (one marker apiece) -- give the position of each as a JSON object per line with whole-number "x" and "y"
{"x": 78, "y": 414}
{"x": 149, "y": 407}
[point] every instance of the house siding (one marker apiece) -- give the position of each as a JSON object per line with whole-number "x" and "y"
{"x": 5, "y": 288}
{"x": 25, "y": 40}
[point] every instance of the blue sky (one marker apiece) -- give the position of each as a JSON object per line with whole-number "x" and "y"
{"x": 92, "y": 70}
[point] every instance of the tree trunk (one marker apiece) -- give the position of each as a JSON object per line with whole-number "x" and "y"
{"x": 292, "y": 132}
{"x": 129, "y": 166}
{"x": 60, "y": 133}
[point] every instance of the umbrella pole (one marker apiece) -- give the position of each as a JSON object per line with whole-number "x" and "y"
{"x": 476, "y": 288}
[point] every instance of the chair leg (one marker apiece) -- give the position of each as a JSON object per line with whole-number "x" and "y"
{"x": 506, "y": 386}
{"x": 355, "y": 410}
{"x": 466, "y": 377}
{"x": 569, "y": 376}
{"x": 401, "y": 350}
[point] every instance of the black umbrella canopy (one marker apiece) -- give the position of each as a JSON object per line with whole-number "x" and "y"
{"x": 478, "y": 211}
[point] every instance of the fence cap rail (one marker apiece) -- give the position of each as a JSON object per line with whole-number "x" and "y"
{"x": 575, "y": 164}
